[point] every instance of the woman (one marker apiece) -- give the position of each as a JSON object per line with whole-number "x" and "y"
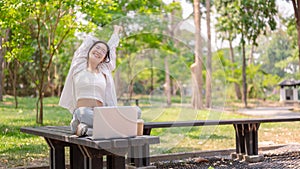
{"x": 89, "y": 82}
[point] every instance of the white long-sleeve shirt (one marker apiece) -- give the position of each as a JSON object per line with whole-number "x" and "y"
{"x": 79, "y": 63}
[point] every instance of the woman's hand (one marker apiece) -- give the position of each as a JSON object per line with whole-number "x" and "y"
{"x": 117, "y": 29}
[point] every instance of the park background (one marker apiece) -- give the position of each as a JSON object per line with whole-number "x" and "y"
{"x": 167, "y": 60}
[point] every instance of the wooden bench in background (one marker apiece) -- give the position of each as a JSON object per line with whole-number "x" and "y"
{"x": 246, "y": 132}
{"x": 127, "y": 102}
{"x": 88, "y": 154}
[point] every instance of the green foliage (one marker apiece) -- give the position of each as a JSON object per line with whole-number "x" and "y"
{"x": 236, "y": 17}
{"x": 143, "y": 49}
{"x": 274, "y": 53}
{"x": 12, "y": 19}
{"x": 292, "y": 30}
{"x": 36, "y": 42}
{"x": 142, "y": 6}
{"x": 227, "y": 20}
{"x": 98, "y": 13}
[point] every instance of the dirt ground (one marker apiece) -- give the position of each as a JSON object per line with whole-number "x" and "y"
{"x": 287, "y": 156}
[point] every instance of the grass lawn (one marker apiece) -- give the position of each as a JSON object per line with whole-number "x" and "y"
{"x": 20, "y": 149}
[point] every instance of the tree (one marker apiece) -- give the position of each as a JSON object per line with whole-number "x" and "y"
{"x": 250, "y": 27}
{"x": 226, "y": 29}
{"x": 196, "y": 67}
{"x": 2, "y": 53}
{"x": 174, "y": 6}
{"x": 297, "y": 17}
{"x": 41, "y": 28}
{"x": 208, "y": 59}
{"x": 16, "y": 38}
{"x": 1, "y": 68}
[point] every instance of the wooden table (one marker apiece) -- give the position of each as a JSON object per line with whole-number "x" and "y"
{"x": 86, "y": 153}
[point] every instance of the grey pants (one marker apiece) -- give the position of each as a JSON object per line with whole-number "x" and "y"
{"x": 82, "y": 115}
{"x": 85, "y": 115}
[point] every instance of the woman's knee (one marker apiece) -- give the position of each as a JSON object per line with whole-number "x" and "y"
{"x": 84, "y": 115}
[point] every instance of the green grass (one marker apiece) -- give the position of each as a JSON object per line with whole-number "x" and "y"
{"x": 17, "y": 148}
{"x": 20, "y": 149}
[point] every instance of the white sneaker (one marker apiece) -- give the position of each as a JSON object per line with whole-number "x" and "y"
{"x": 81, "y": 129}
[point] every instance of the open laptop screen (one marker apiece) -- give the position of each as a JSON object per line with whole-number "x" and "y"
{"x": 115, "y": 122}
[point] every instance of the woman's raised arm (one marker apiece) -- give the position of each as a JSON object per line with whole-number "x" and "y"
{"x": 113, "y": 44}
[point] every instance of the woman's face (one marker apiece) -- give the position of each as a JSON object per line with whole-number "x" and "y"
{"x": 97, "y": 53}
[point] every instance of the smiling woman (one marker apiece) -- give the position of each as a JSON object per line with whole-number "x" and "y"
{"x": 89, "y": 83}
{"x": 98, "y": 53}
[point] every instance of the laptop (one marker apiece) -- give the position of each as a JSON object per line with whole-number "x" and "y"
{"x": 115, "y": 122}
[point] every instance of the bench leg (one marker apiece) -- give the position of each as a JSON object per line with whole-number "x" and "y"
{"x": 251, "y": 138}
{"x": 57, "y": 153}
{"x": 77, "y": 159}
{"x": 239, "y": 139}
{"x": 247, "y": 141}
{"x": 139, "y": 156}
{"x": 93, "y": 158}
{"x": 147, "y": 131}
{"x": 146, "y": 155}
{"x": 115, "y": 162}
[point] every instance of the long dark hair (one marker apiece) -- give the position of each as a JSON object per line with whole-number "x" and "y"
{"x": 106, "y": 57}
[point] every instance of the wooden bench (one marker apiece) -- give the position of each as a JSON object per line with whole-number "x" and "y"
{"x": 86, "y": 153}
{"x": 127, "y": 102}
{"x": 246, "y": 132}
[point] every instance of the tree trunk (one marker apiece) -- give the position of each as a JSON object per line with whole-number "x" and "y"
{"x": 39, "y": 107}
{"x": 236, "y": 85}
{"x": 196, "y": 67}
{"x": 152, "y": 74}
{"x": 130, "y": 88}
{"x": 298, "y": 30}
{"x": 2, "y": 53}
{"x": 197, "y": 101}
{"x": 117, "y": 80}
{"x": 167, "y": 82}
{"x": 118, "y": 83}
{"x": 41, "y": 90}
{"x": 1, "y": 69}
{"x": 297, "y": 16}
{"x": 208, "y": 59}
{"x": 244, "y": 75}
{"x": 54, "y": 81}
{"x": 12, "y": 69}
{"x": 15, "y": 79}
{"x": 251, "y": 60}
{"x": 41, "y": 117}
{"x": 167, "y": 86}
{"x": 175, "y": 87}
{"x": 130, "y": 74}
{"x": 50, "y": 86}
